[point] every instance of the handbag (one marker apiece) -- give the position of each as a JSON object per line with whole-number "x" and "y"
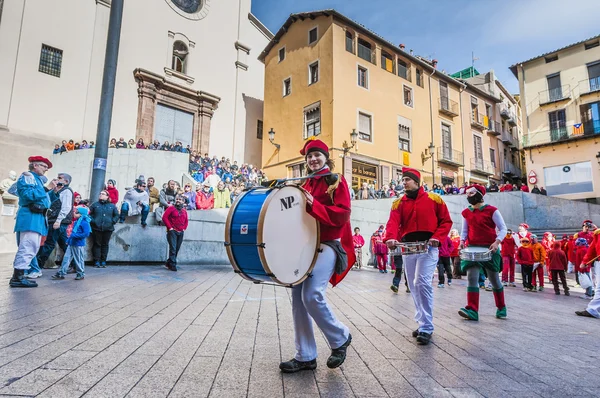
{"x": 584, "y": 280}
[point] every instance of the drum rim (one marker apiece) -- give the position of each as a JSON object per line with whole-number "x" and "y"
{"x": 261, "y": 250}
{"x": 229, "y": 250}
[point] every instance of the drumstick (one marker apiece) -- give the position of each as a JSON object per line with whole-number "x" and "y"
{"x": 592, "y": 260}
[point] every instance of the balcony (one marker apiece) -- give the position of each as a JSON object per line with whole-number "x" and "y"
{"x": 450, "y": 156}
{"x": 511, "y": 169}
{"x": 495, "y": 128}
{"x": 365, "y": 52}
{"x": 481, "y": 166}
{"x": 508, "y": 138}
{"x": 555, "y": 95}
{"x": 562, "y": 134}
{"x": 478, "y": 120}
{"x": 504, "y": 113}
{"x": 448, "y": 107}
{"x": 589, "y": 86}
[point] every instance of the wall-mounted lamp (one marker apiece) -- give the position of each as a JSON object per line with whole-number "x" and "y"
{"x": 428, "y": 154}
{"x": 272, "y": 138}
{"x": 353, "y": 138}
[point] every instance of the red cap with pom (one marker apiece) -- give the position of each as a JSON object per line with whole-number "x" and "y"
{"x": 315, "y": 145}
{"x": 478, "y": 187}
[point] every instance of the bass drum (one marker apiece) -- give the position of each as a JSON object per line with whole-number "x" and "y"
{"x": 270, "y": 237}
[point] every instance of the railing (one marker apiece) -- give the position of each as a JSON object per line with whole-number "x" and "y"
{"x": 561, "y": 134}
{"x": 404, "y": 72}
{"x": 495, "y": 127}
{"x": 448, "y": 107}
{"x": 365, "y": 53}
{"x": 450, "y": 156}
{"x": 482, "y": 166}
{"x": 478, "y": 120}
{"x": 511, "y": 169}
{"x": 589, "y": 86}
{"x": 508, "y": 138}
{"x": 555, "y": 94}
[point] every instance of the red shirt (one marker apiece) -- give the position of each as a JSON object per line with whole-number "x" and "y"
{"x": 426, "y": 213}
{"x": 482, "y": 228}
{"x": 176, "y": 219}
{"x": 524, "y": 188}
{"x": 333, "y": 215}
{"x": 358, "y": 241}
{"x": 557, "y": 259}
{"x": 525, "y": 255}
{"x": 509, "y": 246}
{"x": 455, "y": 246}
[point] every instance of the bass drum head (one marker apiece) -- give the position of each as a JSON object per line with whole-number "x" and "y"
{"x": 476, "y": 249}
{"x": 290, "y": 235}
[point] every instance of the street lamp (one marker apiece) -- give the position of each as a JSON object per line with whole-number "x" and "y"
{"x": 428, "y": 154}
{"x": 272, "y": 138}
{"x": 353, "y": 138}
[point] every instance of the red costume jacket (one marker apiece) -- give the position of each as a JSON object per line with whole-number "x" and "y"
{"x": 358, "y": 241}
{"x": 525, "y": 255}
{"x": 594, "y": 250}
{"x": 557, "y": 260}
{"x": 455, "y": 246}
{"x": 333, "y": 215}
{"x": 482, "y": 228}
{"x": 378, "y": 245}
{"x": 580, "y": 254}
{"x": 589, "y": 236}
{"x": 426, "y": 213}
{"x": 571, "y": 250}
{"x": 509, "y": 246}
{"x": 113, "y": 194}
{"x": 176, "y": 219}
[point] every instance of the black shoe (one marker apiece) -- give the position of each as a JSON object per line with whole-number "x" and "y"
{"x": 423, "y": 338}
{"x": 584, "y": 313}
{"x": 18, "y": 279}
{"x": 58, "y": 277}
{"x": 415, "y": 333}
{"x": 338, "y": 355}
{"x": 293, "y": 366}
{"x": 567, "y": 293}
{"x": 171, "y": 267}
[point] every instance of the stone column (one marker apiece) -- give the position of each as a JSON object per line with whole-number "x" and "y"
{"x": 146, "y": 111}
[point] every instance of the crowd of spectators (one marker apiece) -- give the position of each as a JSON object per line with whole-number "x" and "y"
{"x": 67, "y": 146}
{"x": 396, "y": 189}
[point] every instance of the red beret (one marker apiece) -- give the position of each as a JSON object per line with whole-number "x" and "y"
{"x": 526, "y": 226}
{"x": 315, "y": 145}
{"x": 478, "y": 187}
{"x": 40, "y": 159}
{"x": 412, "y": 174}
{"x": 586, "y": 221}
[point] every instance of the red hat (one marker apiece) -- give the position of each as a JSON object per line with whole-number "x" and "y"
{"x": 315, "y": 145}
{"x": 478, "y": 187}
{"x": 413, "y": 174}
{"x": 586, "y": 222}
{"x": 526, "y": 226}
{"x": 75, "y": 194}
{"x": 40, "y": 159}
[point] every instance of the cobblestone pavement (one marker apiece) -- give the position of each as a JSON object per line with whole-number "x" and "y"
{"x": 141, "y": 331}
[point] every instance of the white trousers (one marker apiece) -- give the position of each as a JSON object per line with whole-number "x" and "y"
{"x": 594, "y": 305}
{"x": 309, "y": 303}
{"x": 419, "y": 270}
{"x": 570, "y": 267}
{"x": 29, "y": 244}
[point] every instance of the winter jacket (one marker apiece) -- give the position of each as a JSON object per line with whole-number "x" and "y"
{"x": 104, "y": 215}
{"x": 113, "y": 194}
{"x": 580, "y": 252}
{"x": 204, "y": 201}
{"x": 446, "y": 247}
{"x": 80, "y": 233}
{"x": 358, "y": 240}
{"x": 525, "y": 255}
{"x": 191, "y": 200}
{"x": 509, "y": 246}
{"x": 379, "y": 247}
{"x": 539, "y": 253}
{"x": 132, "y": 197}
{"x": 222, "y": 199}
{"x": 31, "y": 191}
{"x": 153, "y": 195}
{"x": 455, "y": 246}
{"x": 558, "y": 260}
{"x": 176, "y": 219}
{"x": 167, "y": 197}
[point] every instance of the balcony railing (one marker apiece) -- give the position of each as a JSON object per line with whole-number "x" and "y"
{"x": 562, "y": 134}
{"x": 404, "y": 72}
{"x": 366, "y": 53}
{"x": 589, "y": 86}
{"x": 508, "y": 138}
{"x": 478, "y": 120}
{"x": 450, "y": 156}
{"x": 512, "y": 169}
{"x": 448, "y": 107}
{"x": 482, "y": 166}
{"x": 495, "y": 128}
{"x": 555, "y": 95}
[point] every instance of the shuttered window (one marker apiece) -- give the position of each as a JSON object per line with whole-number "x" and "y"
{"x": 364, "y": 127}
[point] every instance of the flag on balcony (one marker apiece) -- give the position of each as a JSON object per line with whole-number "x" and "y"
{"x": 486, "y": 121}
{"x": 578, "y": 129}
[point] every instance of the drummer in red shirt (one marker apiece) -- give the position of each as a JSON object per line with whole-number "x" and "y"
{"x": 480, "y": 222}
{"x": 419, "y": 216}
{"x": 328, "y": 201}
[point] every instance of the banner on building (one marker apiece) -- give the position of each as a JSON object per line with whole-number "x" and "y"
{"x": 578, "y": 129}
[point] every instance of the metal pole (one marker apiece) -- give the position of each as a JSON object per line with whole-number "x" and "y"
{"x": 106, "y": 99}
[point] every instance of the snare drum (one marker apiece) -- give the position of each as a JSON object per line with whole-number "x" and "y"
{"x": 270, "y": 237}
{"x": 476, "y": 253}
{"x": 410, "y": 248}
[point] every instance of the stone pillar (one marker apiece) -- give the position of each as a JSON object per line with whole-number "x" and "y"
{"x": 146, "y": 111}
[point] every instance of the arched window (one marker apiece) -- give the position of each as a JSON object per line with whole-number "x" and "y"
{"x": 349, "y": 42}
{"x": 364, "y": 50}
{"x": 180, "y": 53}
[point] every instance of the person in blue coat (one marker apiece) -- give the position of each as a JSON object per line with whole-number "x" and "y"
{"x": 31, "y": 224}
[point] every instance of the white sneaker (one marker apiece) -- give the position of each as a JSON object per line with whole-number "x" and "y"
{"x": 449, "y": 283}
{"x": 441, "y": 285}
{"x": 33, "y": 275}
{"x": 512, "y": 284}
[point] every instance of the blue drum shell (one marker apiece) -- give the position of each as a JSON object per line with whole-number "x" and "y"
{"x": 243, "y": 235}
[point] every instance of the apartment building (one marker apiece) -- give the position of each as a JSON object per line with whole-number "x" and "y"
{"x": 560, "y": 101}
{"x": 377, "y": 105}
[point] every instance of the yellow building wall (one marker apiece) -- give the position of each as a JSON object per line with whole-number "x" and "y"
{"x": 285, "y": 115}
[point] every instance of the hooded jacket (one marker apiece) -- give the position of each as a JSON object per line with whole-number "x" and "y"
{"x": 104, "y": 215}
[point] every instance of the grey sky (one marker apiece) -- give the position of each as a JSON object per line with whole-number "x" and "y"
{"x": 499, "y": 32}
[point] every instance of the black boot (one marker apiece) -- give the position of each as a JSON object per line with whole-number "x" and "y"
{"x": 18, "y": 279}
{"x": 338, "y": 355}
{"x": 293, "y": 365}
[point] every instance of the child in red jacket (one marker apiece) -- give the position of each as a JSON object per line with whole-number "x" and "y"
{"x": 380, "y": 250}
{"x": 525, "y": 258}
{"x": 558, "y": 263}
{"x": 581, "y": 248}
{"x": 509, "y": 249}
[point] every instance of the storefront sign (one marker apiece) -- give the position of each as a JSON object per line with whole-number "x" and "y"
{"x": 364, "y": 170}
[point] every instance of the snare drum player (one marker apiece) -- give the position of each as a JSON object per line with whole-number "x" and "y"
{"x": 419, "y": 216}
{"x": 480, "y": 222}
{"x": 328, "y": 201}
